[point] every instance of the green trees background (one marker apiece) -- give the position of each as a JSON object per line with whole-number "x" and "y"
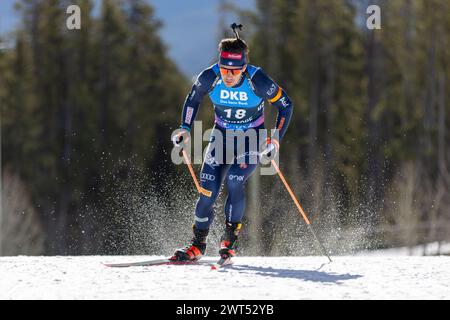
{"x": 87, "y": 117}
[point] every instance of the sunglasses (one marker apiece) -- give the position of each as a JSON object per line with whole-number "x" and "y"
{"x": 234, "y": 72}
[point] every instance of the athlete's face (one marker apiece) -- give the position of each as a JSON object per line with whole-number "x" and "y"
{"x": 231, "y": 75}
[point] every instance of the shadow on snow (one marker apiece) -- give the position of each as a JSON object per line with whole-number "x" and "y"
{"x": 306, "y": 275}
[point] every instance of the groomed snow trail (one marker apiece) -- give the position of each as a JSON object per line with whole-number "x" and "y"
{"x": 347, "y": 277}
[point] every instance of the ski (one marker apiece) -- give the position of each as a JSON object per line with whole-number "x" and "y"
{"x": 157, "y": 262}
{"x": 221, "y": 263}
{"x": 167, "y": 261}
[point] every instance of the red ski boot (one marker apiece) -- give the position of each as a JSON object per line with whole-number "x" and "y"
{"x": 229, "y": 239}
{"x": 194, "y": 251}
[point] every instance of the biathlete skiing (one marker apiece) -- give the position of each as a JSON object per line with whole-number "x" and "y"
{"x": 237, "y": 91}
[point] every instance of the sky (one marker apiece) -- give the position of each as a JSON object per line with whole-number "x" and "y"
{"x": 190, "y": 28}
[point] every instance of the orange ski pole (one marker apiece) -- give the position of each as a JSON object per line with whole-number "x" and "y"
{"x": 300, "y": 209}
{"x": 191, "y": 170}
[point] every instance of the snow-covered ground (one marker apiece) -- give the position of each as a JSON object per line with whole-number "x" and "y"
{"x": 347, "y": 277}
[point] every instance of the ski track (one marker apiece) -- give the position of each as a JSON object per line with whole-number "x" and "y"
{"x": 347, "y": 277}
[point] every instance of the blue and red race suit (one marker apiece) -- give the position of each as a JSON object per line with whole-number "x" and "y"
{"x": 240, "y": 107}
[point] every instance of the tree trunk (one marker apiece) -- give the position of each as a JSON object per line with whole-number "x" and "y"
{"x": 430, "y": 95}
{"x": 314, "y": 93}
{"x": 374, "y": 171}
{"x": 328, "y": 201}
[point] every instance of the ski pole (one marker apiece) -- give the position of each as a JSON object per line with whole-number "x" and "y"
{"x": 191, "y": 170}
{"x": 300, "y": 209}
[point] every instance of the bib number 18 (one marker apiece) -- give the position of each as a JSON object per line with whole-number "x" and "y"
{"x": 239, "y": 114}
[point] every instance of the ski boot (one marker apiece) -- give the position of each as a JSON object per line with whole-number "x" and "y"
{"x": 229, "y": 239}
{"x": 194, "y": 251}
